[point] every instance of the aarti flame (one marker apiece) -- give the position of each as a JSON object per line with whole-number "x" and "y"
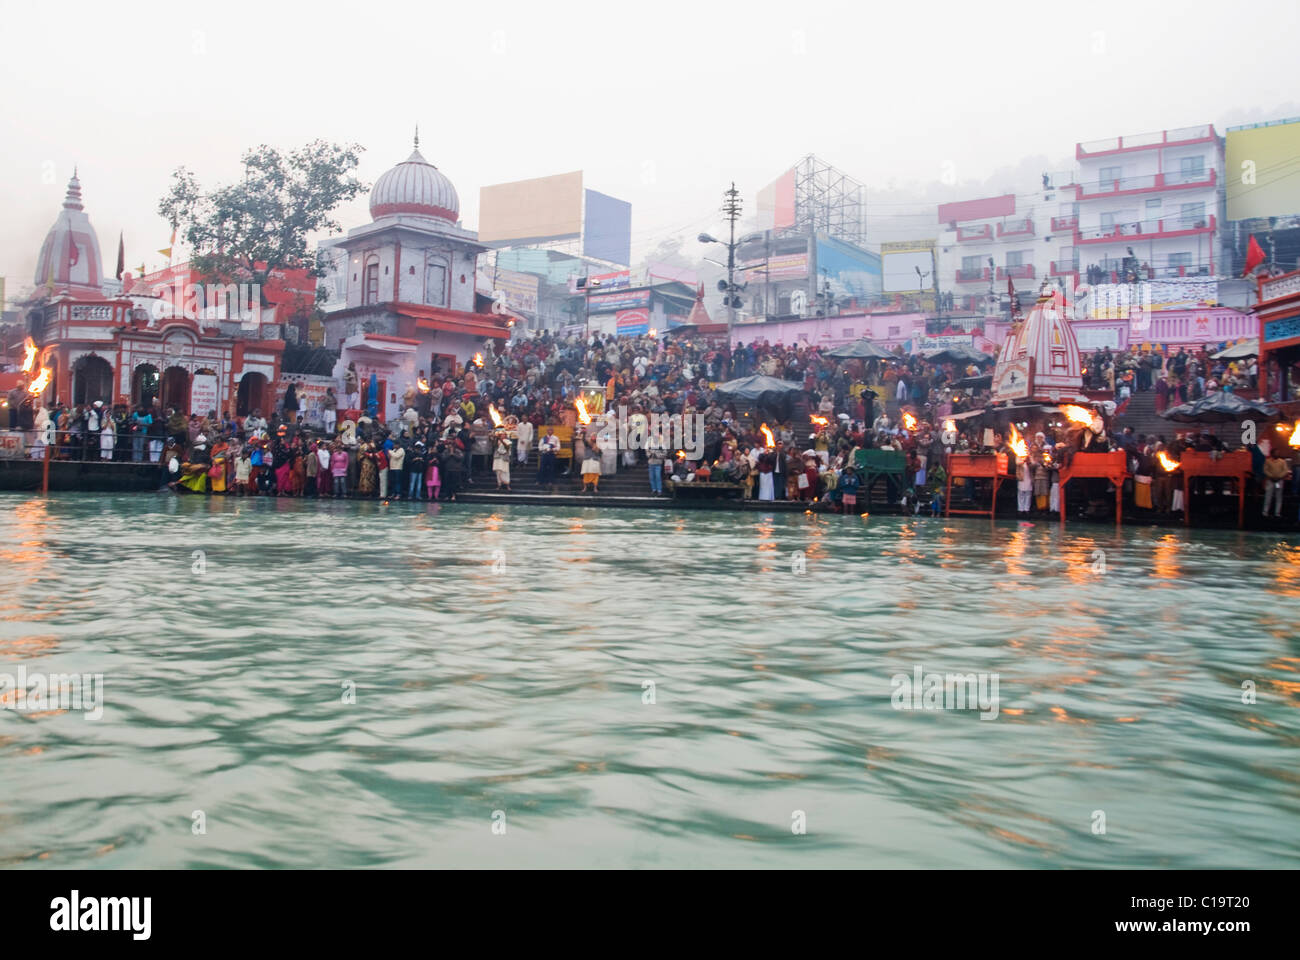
{"x": 769, "y": 440}
{"x": 29, "y": 360}
{"x": 1295, "y": 436}
{"x": 950, "y": 426}
{"x": 909, "y": 421}
{"x": 41, "y": 382}
{"x": 423, "y": 384}
{"x": 819, "y": 421}
{"x": 580, "y": 405}
{"x": 496, "y": 417}
{"x": 681, "y": 454}
{"x": 478, "y": 359}
{"x": 1166, "y": 461}
{"x": 1017, "y": 443}
{"x": 1077, "y": 414}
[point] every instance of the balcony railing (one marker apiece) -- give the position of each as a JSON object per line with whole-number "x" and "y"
{"x": 1064, "y": 223}
{"x": 1161, "y": 138}
{"x": 1063, "y": 268}
{"x": 1016, "y": 228}
{"x": 1151, "y": 181}
{"x": 981, "y": 232}
{"x": 1024, "y": 271}
{"x": 1149, "y": 228}
{"x": 972, "y": 276}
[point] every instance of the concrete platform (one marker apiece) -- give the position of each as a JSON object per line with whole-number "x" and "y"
{"x": 644, "y": 503}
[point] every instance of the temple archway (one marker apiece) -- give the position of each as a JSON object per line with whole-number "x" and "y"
{"x": 92, "y": 379}
{"x": 175, "y": 390}
{"x": 145, "y": 385}
{"x": 251, "y": 394}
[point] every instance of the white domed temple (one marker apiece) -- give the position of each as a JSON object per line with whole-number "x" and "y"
{"x": 1040, "y": 360}
{"x": 411, "y": 304}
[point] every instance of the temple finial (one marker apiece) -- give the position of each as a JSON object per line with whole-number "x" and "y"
{"x": 417, "y": 136}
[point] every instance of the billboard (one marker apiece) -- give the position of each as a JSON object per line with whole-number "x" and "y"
{"x": 1263, "y": 170}
{"x": 899, "y": 263}
{"x": 776, "y": 203}
{"x": 631, "y": 323}
{"x": 530, "y": 211}
{"x": 519, "y": 289}
{"x": 851, "y": 269}
{"x": 604, "y": 302}
{"x": 607, "y": 228}
{"x": 786, "y": 266}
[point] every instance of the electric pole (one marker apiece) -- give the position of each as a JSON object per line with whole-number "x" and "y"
{"x": 731, "y": 211}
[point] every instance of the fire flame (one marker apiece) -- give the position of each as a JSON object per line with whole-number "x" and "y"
{"x": 581, "y": 406}
{"x": 1017, "y": 443}
{"x": 1077, "y": 414}
{"x": 681, "y": 454}
{"x": 423, "y": 384}
{"x": 909, "y": 421}
{"x": 1166, "y": 461}
{"x": 496, "y": 417}
{"x": 950, "y": 426}
{"x": 770, "y": 441}
{"x": 819, "y": 421}
{"x": 30, "y": 360}
{"x": 478, "y": 359}
{"x": 1295, "y": 437}
{"x": 40, "y": 383}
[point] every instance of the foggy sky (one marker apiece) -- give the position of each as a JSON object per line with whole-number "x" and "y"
{"x": 660, "y": 104}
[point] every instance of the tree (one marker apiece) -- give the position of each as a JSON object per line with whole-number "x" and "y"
{"x": 243, "y": 231}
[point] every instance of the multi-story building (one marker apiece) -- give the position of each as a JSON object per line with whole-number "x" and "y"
{"x": 1155, "y": 200}
{"x": 1025, "y": 237}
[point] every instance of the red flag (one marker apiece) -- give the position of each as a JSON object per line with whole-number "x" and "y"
{"x": 73, "y": 255}
{"x": 121, "y": 257}
{"x": 1254, "y": 256}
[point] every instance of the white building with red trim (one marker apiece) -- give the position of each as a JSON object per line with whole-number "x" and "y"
{"x": 410, "y": 290}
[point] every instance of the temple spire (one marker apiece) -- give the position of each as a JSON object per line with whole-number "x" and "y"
{"x": 417, "y": 136}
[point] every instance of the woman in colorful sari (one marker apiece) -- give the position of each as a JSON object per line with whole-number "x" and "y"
{"x": 220, "y": 460}
{"x": 194, "y": 469}
{"x": 368, "y": 480}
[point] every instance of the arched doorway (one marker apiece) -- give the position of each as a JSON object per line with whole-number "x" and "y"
{"x": 92, "y": 379}
{"x": 176, "y": 389}
{"x": 145, "y": 385}
{"x": 252, "y": 391}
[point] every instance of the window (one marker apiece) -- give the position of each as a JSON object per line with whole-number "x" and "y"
{"x": 1153, "y": 205}
{"x": 372, "y": 282}
{"x": 1067, "y": 255}
{"x": 1018, "y": 258}
{"x": 1180, "y": 259}
{"x": 972, "y": 265}
{"x": 435, "y": 285}
{"x": 895, "y": 331}
{"x": 1191, "y": 168}
{"x": 1193, "y": 215}
{"x": 1110, "y": 174}
{"x": 1107, "y": 221}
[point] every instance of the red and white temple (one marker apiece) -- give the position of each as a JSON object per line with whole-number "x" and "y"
{"x": 119, "y": 347}
{"x": 1040, "y": 359}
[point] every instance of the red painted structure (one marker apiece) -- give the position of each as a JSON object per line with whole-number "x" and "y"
{"x": 1278, "y": 310}
{"x": 1234, "y": 465}
{"x": 976, "y": 466}
{"x": 1112, "y": 466}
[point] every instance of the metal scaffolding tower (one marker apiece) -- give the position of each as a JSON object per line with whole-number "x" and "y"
{"x": 827, "y": 200}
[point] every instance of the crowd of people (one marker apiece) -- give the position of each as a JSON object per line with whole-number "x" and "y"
{"x": 1177, "y": 377}
{"x": 487, "y": 419}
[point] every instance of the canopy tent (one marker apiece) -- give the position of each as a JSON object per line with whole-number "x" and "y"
{"x": 958, "y": 354}
{"x": 759, "y": 389}
{"x": 769, "y": 393}
{"x": 1220, "y": 407}
{"x": 862, "y": 349}
{"x": 1247, "y": 348}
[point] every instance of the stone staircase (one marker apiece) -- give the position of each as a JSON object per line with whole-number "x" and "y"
{"x": 627, "y": 482}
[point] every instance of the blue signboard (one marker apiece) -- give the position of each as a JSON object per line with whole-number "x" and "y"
{"x": 1283, "y": 329}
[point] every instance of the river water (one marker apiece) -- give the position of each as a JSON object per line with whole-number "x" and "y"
{"x": 291, "y": 683}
